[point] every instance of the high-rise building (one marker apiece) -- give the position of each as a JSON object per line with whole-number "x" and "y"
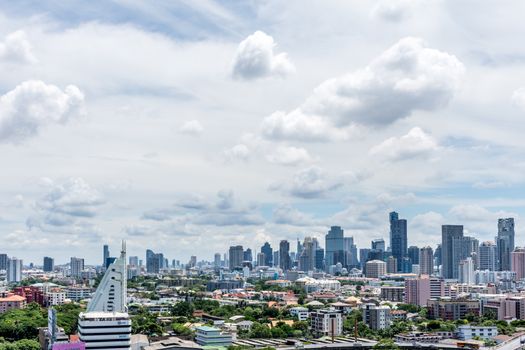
{"x": 14, "y": 270}
{"x": 106, "y": 324}
{"x": 488, "y": 256}
{"x": 276, "y": 258}
{"x": 105, "y": 255}
{"x": 518, "y": 262}
{"x": 413, "y": 254}
{"x": 426, "y": 261}
{"x": 378, "y": 244}
{"x": 77, "y": 266}
{"x": 375, "y": 268}
{"x": 260, "y": 259}
{"x": 193, "y": 261}
{"x": 217, "y": 260}
{"x": 417, "y": 290}
{"x": 350, "y": 252}
{"x": 3, "y": 262}
{"x": 308, "y": 251}
{"x": 334, "y": 246}
{"x": 299, "y": 248}
{"x": 134, "y": 261}
{"x": 49, "y": 264}
{"x": 505, "y": 242}
{"x": 466, "y": 271}
{"x": 391, "y": 265}
{"x": 285, "y": 262}
{"x": 236, "y": 257}
{"x": 449, "y": 233}
{"x": 437, "y": 256}
{"x": 398, "y": 237}
{"x": 268, "y": 254}
{"x": 462, "y": 248}
{"x": 319, "y": 259}
{"x": 363, "y": 256}
{"x": 153, "y": 263}
{"x": 247, "y": 255}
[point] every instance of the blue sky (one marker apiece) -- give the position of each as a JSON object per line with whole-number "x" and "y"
{"x": 190, "y": 126}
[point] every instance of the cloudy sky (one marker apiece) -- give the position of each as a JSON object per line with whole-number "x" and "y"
{"x": 189, "y": 126}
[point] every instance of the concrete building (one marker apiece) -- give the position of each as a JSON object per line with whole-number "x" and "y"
{"x": 518, "y": 262}
{"x": 235, "y": 257}
{"x": 56, "y": 296}
{"x": 302, "y": 313}
{"x": 210, "y": 336}
{"x": 467, "y": 332}
{"x": 326, "y": 322}
{"x": 449, "y": 309}
{"x": 466, "y": 271}
{"x": 14, "y": 270}
{"x": 426, "y": 261}
{"x": 505, "y": 243}
{"x": 488, "y": 257}
{"x": 392, "y": 293}
{"x": 12, "y": 302}
{"x": 334, "y": 246}
{"x": 391, "y": 265}
{"x": 285, "y": 263}
{"x": 376, "y": 317}
{"x": 448, "y": 234}
{"x": 267, "y": 250}
{"x": 77, "y": 266}
{"x": 417, "y": 291}
{"x": 375, "y": 268}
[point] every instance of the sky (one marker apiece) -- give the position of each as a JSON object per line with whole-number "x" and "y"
{"x": 189, "y": 126}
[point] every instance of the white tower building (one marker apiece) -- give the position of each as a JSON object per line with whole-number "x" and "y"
{"x": 106, "y": 324}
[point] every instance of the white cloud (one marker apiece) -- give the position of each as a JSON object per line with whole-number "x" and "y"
{"x": 407, "y": 77}
{"x": 289, "y": 155}
{"x": 288, "y": 215}
{"x": 311, "y": 182}
{"x": 518, "y": 98}
{"x": 416, "y": 143}
{"x": 255, "y": 59}
{"x": 237, "y": 152}
{"x": 392, "y": 10}
{"x": 16, "y": 48}
{"x": 33, "y": 105}
{"x": 298, "y": 126}
{"x": 192, "y": 127}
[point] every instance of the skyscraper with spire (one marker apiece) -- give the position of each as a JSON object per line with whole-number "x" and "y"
{"x": 106, "y": 324}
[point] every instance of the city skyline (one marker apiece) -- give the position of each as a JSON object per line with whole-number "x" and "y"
{"x": 221, "y": 123}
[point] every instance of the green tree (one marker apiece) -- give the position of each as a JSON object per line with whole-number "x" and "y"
{"x": 182, "y": 308}
{"x": 180, "y": 329}
{"x": 386, "y": 344}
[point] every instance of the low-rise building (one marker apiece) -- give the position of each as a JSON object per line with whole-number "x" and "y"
{"x": 210, "y": 336}
{"x": 12, "y": 302}
{"x": 56, "y": 296}
{"x": 392, "y": 293}
{"x": 467, "y": 332}
{"x": 419, "y": 337}
{"x": 449, "y": 309}
{"x": 326, "y": 322}
{"x": 300, "y": 312}
{"x": 77, "y": 293}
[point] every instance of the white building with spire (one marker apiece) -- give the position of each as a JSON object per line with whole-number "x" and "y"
{"x": 106, "y": 324}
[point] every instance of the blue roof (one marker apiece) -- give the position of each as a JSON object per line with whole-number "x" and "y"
{"x": 207, "y": 328}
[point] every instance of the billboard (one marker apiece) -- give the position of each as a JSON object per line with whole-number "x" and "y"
{"x": 69, "y": 346}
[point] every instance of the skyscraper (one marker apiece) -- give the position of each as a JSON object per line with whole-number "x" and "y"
{"x": 462, "y": 248}
{"x": 76, "y": 266}
{"x": 217, "y": 260}
{"x": 488, "y": 256}
{"x": 350, "y": 251}
{"x": 413, "y": 254}
{"x": 319, "y": 259}
{"x": 466, "y": 271}
{"x": 153, "y": 264}
{"x": 505, "y": 242}
{"x": 268, "y": 254}
{"x": 49, "y": 264}
{"x": 426, "y": 261}
{"x": 3, "y": 262}
{"x": 438, "y": 258}
{"x": 134, "y": 261}
{"x": 260, "y": 259}
{"x": 334, "y": 246}
{"x": 236, "y": 257}
{"x": 448, "y": 234}
{"x": 307, "y": 257}
{"x": 14, "y": 270}
{"x": 398, "y": 237}
{"x": 247, "y": 255}
{"x": 363, "y": 256}
{"x": 105, "y": 255}
{"x": 285, "y": 262}
{"x": 518, "y": 262}
{"x": 378, "y": 244}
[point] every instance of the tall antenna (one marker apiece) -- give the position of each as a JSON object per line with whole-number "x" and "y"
{"x": 124, "y": 276}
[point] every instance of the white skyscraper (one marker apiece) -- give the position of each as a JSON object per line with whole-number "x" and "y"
{"x": 466, "y": 271}
{"x": 14, "y": 270}
{"x": 77, "y": 266}
{"x": 106, "y": 324}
